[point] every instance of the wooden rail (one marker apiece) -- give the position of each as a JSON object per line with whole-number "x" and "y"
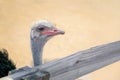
{"x": 71, "y": 67}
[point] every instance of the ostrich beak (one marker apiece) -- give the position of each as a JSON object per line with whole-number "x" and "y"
{"x": 53, "y": 32}
{"x": 56, "y": 31}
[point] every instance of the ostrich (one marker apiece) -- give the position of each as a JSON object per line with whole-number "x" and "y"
{"x": 6, "y": 64}
{"x": 41, "y": 32}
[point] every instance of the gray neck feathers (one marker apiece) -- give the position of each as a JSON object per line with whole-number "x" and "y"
{"x": 37, "y": 45}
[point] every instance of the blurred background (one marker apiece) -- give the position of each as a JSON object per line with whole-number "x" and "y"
{"x": 87, "y": 23}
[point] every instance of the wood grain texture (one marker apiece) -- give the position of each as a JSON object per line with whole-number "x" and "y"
{"x": 78, "y": 64}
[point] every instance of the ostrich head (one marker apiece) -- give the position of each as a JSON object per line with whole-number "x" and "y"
{"x": 41, "y": 32}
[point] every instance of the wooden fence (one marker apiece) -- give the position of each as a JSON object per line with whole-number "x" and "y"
{"x": 70, "y": 67}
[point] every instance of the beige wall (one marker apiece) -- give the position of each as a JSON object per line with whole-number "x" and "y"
{"x": 87, "y": 23}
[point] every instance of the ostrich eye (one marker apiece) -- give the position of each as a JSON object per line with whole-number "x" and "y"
{"x": 41, "y": 29}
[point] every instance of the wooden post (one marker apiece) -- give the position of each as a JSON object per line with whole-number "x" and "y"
{"x": 35, "y": 74}
{"x": 73, "y": 66}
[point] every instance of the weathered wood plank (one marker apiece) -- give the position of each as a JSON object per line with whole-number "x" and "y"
{"x": 78, "y": 64}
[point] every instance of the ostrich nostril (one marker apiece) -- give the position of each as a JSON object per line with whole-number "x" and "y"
{"x": 55, "y": 30}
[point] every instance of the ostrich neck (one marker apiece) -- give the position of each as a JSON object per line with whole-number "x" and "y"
{"x": 37, "y": 50}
